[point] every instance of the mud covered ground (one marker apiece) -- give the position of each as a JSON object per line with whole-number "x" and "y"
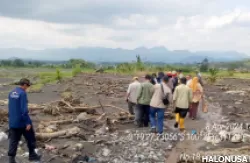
{"x": 121, "y": 141}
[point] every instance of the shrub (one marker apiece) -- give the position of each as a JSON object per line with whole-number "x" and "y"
{"x": 213, "y": 75}
{"x": 58, "y": 75}
{"x": 77, "y": 70}
{"x": 230, "y": 72}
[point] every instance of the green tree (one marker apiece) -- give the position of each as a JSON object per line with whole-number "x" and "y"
{"x": 18, "y": 63}
{"x": 6, "y": 63}
{"x": 204, "y": 65}
{"x": 139, "y": 64}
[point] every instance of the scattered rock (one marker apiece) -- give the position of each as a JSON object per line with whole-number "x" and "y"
{"x": 246, "y": 138}
{"x": 79, "y": 146}
{"x": 236, "y": 138}
{"x": 83, "y": 116}
{"x": 106, "y": 152}
{"x": 3, "y": 136}
{"x": 241, "y": 93}
{"x": 238, "y": 103}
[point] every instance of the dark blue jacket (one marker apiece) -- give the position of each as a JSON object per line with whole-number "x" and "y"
{"x": 18, "y": 109}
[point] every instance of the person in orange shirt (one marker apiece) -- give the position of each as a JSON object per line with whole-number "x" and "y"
{"x": 197, "y": 95}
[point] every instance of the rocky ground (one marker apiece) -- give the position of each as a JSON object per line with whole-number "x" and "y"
{"x": 107, "y": 134}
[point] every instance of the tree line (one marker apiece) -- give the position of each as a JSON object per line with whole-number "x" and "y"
{"x": 67, "y": 64}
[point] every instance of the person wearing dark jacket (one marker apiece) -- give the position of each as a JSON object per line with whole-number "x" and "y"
{"x": 20, "y": 122}
{"x": 160, "y": 77}
{"x": 175, "y": 80}
{"x": 153, "y": 79}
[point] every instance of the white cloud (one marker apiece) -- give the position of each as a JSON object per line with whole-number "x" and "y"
{"x": 216, "y": 31}
{"x": 137, "y": 21}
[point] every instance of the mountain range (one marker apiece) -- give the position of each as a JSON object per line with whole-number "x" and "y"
{"x": 100, "y": 54}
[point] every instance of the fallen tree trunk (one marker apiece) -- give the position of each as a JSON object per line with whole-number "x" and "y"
{"x": 242, "y": 115}
{"x": 67, "y": 132}
{"x": 85, "y": 109}
{"x": 66, "y": 121}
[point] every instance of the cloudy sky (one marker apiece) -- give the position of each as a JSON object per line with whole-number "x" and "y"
{"x": 175, "y": 24}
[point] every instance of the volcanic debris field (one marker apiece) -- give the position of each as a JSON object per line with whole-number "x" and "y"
{"x": 85, "y": 119}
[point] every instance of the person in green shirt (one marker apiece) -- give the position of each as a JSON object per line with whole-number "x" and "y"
{"x": 144, "y": 96}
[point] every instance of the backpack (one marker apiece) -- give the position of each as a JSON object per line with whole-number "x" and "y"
{"x": 165, "y": 97}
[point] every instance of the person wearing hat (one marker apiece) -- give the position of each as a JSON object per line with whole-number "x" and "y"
{"x": 20, "y": 122}
{"x": 131, "y": 96}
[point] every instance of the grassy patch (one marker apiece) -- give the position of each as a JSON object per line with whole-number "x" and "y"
{"x": 226, "y": 74}
{"x": 36, "y": 88}
{"x": 77, "y": 70}
{"x": 53, "y": 77}
{"x": 66, "y": 95}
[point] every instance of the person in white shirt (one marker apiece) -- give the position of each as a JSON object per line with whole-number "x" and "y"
{"x": 189, "y": 79}
{"x": 131, "y": 97}
{"x": 180, "y": 74}
{"x": 157, "y": 106}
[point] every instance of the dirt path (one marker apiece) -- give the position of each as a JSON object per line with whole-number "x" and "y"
{"x": 189, "y": 146}
{"x": 118, "y": 146}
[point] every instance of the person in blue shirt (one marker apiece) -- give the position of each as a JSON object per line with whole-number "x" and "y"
{"x": 20, "y": 122}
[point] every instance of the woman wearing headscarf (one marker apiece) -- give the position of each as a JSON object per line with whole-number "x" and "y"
{"x": 197, "y": 95}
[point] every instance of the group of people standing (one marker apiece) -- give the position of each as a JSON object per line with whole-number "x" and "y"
{"x": 148, "y": 100}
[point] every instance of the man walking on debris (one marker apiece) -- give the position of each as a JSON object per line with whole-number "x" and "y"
{"x": 160, "y": 77}
{"x": 161, "y": 98}
{"x": 174, "y": 79}
{"x": 189, "y": 79}
{"x": 20, "y": 122}
{"x": 198, "y": 74}
{"x": 180, "y": 74}
{"x": 170, "y": 81}
{"x": 154, "y": 79}
{"x": 132, "y": 95}
{"x": 144, "y": 96}
{"x": 182, "y": 98}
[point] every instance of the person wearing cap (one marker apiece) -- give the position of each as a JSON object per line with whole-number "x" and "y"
{"x": 144, "y": 96}
{"x": 20, "y": 122}
{"x": 157, "y": 106}
{"x": 131, "y": 96}
{"x": 182, "y": 99}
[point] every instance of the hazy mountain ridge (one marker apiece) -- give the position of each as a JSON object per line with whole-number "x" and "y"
{"x": 99, "y": 54}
